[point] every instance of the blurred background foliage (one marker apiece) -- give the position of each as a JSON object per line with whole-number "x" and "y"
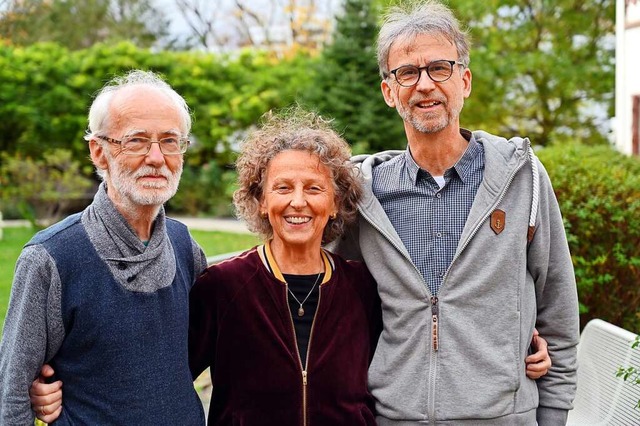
{"x": 598, "y": 189}
{"x": 542, "y": 69}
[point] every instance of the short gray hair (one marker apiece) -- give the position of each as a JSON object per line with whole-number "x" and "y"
{"x": 411, "y": 19}
{"x": 99, "y": 113}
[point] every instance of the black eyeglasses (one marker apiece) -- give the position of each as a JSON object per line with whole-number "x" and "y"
{"x": 139, "y": 145}
{"x": 438, "y": 71}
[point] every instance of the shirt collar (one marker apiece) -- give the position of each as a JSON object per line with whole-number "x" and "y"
{"x": 462, "y": 166}
{"x": 411, "y": 166}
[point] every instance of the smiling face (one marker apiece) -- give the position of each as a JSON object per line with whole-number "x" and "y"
{"x": 427, "y": 107}
{"x": 145, "y": 180}
{"x": 298, "y": 197}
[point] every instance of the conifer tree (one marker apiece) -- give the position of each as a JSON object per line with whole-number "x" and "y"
{"x": 347, "y": 83}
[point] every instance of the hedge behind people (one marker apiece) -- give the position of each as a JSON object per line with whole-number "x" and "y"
{"x": 599, "y": 193}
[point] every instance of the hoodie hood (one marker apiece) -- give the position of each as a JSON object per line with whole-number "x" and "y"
{"x": 510, "y": 152}
{"x": 503, "y": 158}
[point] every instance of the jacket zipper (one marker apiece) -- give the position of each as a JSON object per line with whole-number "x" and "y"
{"x": 434, "y": 322}
{"x": 434, "y": 299}
{"x": 304, "y": 368}
{"x": 434, "y": 327}
{"x": 304, "y": 396}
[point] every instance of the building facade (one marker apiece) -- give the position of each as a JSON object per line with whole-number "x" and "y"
{"x": 627, "y": 121}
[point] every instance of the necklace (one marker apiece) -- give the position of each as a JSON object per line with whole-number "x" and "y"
{"x": 301, "y": 309}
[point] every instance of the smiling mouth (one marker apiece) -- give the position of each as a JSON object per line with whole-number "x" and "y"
{"x": 296, "y": 220}
{"x": 428, "y": 104}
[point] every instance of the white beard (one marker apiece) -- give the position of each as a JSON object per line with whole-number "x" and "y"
{"x": 125, "y": 182}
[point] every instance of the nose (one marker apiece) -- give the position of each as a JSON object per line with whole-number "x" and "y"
{"x": 298, "y": 199}
{"x": 425, "y": 83}
{"x": 154, "y": 157}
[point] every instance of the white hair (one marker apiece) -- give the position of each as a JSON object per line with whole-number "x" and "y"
{"x": 99, "y": 113}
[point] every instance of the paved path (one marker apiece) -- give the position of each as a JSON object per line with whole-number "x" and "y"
{"x": 214, "y": 224}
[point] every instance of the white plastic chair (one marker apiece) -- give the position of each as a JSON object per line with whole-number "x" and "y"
{"x": 603, "y": 399}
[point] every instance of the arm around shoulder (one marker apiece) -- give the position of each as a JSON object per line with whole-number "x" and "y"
{"x": 32, "y": 330}
{"x": 199, "y": 258}
{"x": 348, "y": 244}
{"x": 202, "y": 322}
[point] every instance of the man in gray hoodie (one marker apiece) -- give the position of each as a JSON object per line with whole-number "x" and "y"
{"x": 103, "y": 295}
{"x": 464, "y": 236}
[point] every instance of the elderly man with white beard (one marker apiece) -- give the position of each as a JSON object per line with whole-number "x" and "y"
{"x": 103, "y": 295}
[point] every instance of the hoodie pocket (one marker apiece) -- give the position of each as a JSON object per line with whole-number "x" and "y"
{"x": 478, "y": 369}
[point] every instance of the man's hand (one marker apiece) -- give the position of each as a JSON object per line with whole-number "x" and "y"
{"x": 46, "y": 399}
{"x": 538, "y": 364}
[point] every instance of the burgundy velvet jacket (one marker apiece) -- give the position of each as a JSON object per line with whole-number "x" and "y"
{"x": 241, "y": 326}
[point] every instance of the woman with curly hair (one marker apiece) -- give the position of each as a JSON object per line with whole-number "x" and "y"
{"x": 287, "y": 327}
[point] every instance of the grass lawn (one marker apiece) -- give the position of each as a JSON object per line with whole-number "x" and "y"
{"x": 212, "y": 242}
{"x": 217, "y": 242}
{"x": 10, "y": 247}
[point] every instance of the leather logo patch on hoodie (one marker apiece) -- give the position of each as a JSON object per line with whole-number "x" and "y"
{"x": 498, "y": 218}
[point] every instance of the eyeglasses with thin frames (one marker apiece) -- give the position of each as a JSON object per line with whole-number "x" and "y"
{"x": 438, "y": 71}
{"x": 139, "y": 145}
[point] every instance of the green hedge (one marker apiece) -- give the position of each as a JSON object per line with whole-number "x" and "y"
{"x": 46, "y": 90}
{"x": 599, "y": 194}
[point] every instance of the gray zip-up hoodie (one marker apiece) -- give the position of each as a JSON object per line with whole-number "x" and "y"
{"x": 471, "y": 369}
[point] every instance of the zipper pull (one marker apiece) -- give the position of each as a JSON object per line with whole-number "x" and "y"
{"x": 304, "y": 378}
{"x": 434, "y": 320}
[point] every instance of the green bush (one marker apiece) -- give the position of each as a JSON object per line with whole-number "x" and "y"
{"x": 42, "y": 188}
{"x": 599, "y": 194}
{"x": 632, "y": 373}
{"x": 204, "y": 191}
{"x": 46, "y": 89}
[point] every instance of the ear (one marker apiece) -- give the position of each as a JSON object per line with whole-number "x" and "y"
{"x": 387, "y": 94}
{"x": 466, "y": 80}
{"x": 336, "y": 207}
{"x": 98, "y": 156}
{"x": 263, "y": 207}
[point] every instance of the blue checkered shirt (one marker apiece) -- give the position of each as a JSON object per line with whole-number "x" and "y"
{"x": 430, "y": 219}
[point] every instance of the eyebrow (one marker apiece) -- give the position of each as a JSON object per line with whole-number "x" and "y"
{"x": 133, "y": 132}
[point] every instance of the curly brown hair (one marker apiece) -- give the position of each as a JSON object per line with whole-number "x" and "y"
{"x": 295, "y": 129}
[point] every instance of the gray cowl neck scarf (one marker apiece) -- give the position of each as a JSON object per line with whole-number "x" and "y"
{"x": 135, "y": 266}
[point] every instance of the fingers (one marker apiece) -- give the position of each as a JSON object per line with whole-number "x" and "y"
{"x": 534, "y": 375}
{"x": 538, "y": 364}
{"x": 46, "y": 399}
{"x": 535, "y": 371}
{"x": 46, "y": 416}
{"x": 46, "y": 371}
{"x": 45, "y": 393}
{"x": 538, "y": 342}
{"x": 39, "y": 387}
{"x": 47, "y": 406}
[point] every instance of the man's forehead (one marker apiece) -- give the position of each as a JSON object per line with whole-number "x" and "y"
{"x": 421, "y": 43}
{"x": 144, "y": 108}
{"x": 139, "y": 96}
